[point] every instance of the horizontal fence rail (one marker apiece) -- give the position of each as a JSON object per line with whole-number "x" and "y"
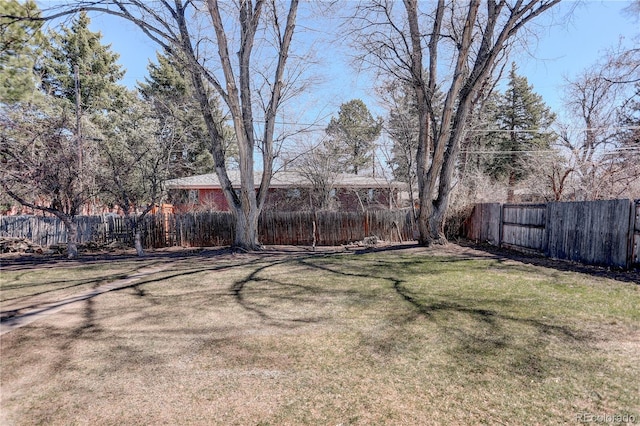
{"x": 205, "y": 229}
{"x": 523, "y": 226}
{"x": 603, "y": 232}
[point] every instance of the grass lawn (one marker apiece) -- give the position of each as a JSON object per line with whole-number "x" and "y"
{"x": 58, "y": 280}
{"x": 419, "y": 336}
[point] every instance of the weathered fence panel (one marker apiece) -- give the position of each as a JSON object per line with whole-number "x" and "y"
{"x": 594, "y": 232}
{"x": 109, "y": 229}
{"x": 523, "y": 226}
{"x": 218, "y": 228}
{"x": 48, "y": 231}
{"x": 203, "y": 229}
{"x": 334, "y": 228}
{"x": 635, "y": 247}
{"x": 484, "y": 223}
{"x": 282, "y": 228}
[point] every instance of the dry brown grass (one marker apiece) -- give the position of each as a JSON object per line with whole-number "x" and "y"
{"x": 416, "y": 337}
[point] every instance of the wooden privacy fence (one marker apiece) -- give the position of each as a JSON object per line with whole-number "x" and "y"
{"x": 593, "y": 232}
{"x": 289, "y": 228}
{"x": 636, "y": 236}
{"x": 217, "y": 228}
{"x": 48, "y": 231}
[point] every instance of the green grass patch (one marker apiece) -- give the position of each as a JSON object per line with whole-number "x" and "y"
{"x": 379, "y": 338}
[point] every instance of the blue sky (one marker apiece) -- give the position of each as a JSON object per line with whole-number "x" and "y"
{"x": 562, "y": 50}
{"x": 571, "y": 46}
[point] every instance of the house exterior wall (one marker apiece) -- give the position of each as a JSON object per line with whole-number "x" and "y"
{"x": 288, "y": 199}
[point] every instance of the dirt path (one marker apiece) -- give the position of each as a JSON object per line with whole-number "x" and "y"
{"x": 27, "y": 316}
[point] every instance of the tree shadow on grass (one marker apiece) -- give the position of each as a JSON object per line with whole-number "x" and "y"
{"x": 35, "y": 262}
{"x": 282, "y": 290}
{"x": 15, "y": 316}
{"x": 629, "y": 276}
{"x": 482, "y": 339}
{"x": 326, "y": 265}
{"x": 477, "y": 337}
{"x": 95, "y": 282}
{"x": 92, "y": 283}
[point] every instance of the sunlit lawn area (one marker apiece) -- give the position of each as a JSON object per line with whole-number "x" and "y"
{"x": 398, "y": 337}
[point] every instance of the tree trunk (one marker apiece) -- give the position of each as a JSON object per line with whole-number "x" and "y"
{"x": 431, "y": 220}
{"x": 72, "y": 237}
{"x": 424, "y": 212}
{"x": 134, "y": 223}
{"x": 137, "y": 242}
{"x": 246, "y": 237}
{"x": 510, "y": 188}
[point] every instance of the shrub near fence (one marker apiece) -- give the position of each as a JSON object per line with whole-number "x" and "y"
{"x": 593, "y": 232}
{"x": 217, "y": 228}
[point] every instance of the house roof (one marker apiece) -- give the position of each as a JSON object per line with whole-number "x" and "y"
{"x": 281, "y": 179}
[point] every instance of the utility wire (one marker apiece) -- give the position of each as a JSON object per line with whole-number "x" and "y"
{"x": 550, "y": 151}
{"x": 575, "y": 129}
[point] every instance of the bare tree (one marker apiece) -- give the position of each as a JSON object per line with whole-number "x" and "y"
{"x": 196, "y": 32}
{"x": 402, "y": 128}
{"x": 414, "y": 45}
{"x": 317, "y": 163}
{"x": 41, "y": 163}
{"x": 592, "y": 136}
{"x": 135, "y": 162}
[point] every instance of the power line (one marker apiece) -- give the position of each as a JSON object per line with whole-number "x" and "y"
{"x": 575, "y": 129}
{"x": 631, "y": 150}
{"x": 509, "y": 152}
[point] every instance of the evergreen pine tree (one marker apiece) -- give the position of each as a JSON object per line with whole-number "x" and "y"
{"x": 353, "y": 134}
{"x": 172, "y": 98}
{"x": 522, "y": 120}
{"x": 98, "y": 73}
{"x": 50, "y": 155}
{"x": 133, "y": 164}
{"x": 20, "y": 44}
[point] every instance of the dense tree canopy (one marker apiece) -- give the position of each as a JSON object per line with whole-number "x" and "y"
{"x": 53, "y": 145}
{"x": 20, "y": 45}
{"x": 353, "y": 134}
{"x": 76, "y": 63}
{"x": 174, "y": 104}
{"x": 522, "y": 123}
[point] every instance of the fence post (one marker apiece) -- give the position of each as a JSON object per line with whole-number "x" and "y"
{"x": 635, "y": 236}
{"x": 547, "y": 227}
{"x": 631, "y": 233}
{"x": 501, "y": 225}
{"x": 366, "y": 224}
